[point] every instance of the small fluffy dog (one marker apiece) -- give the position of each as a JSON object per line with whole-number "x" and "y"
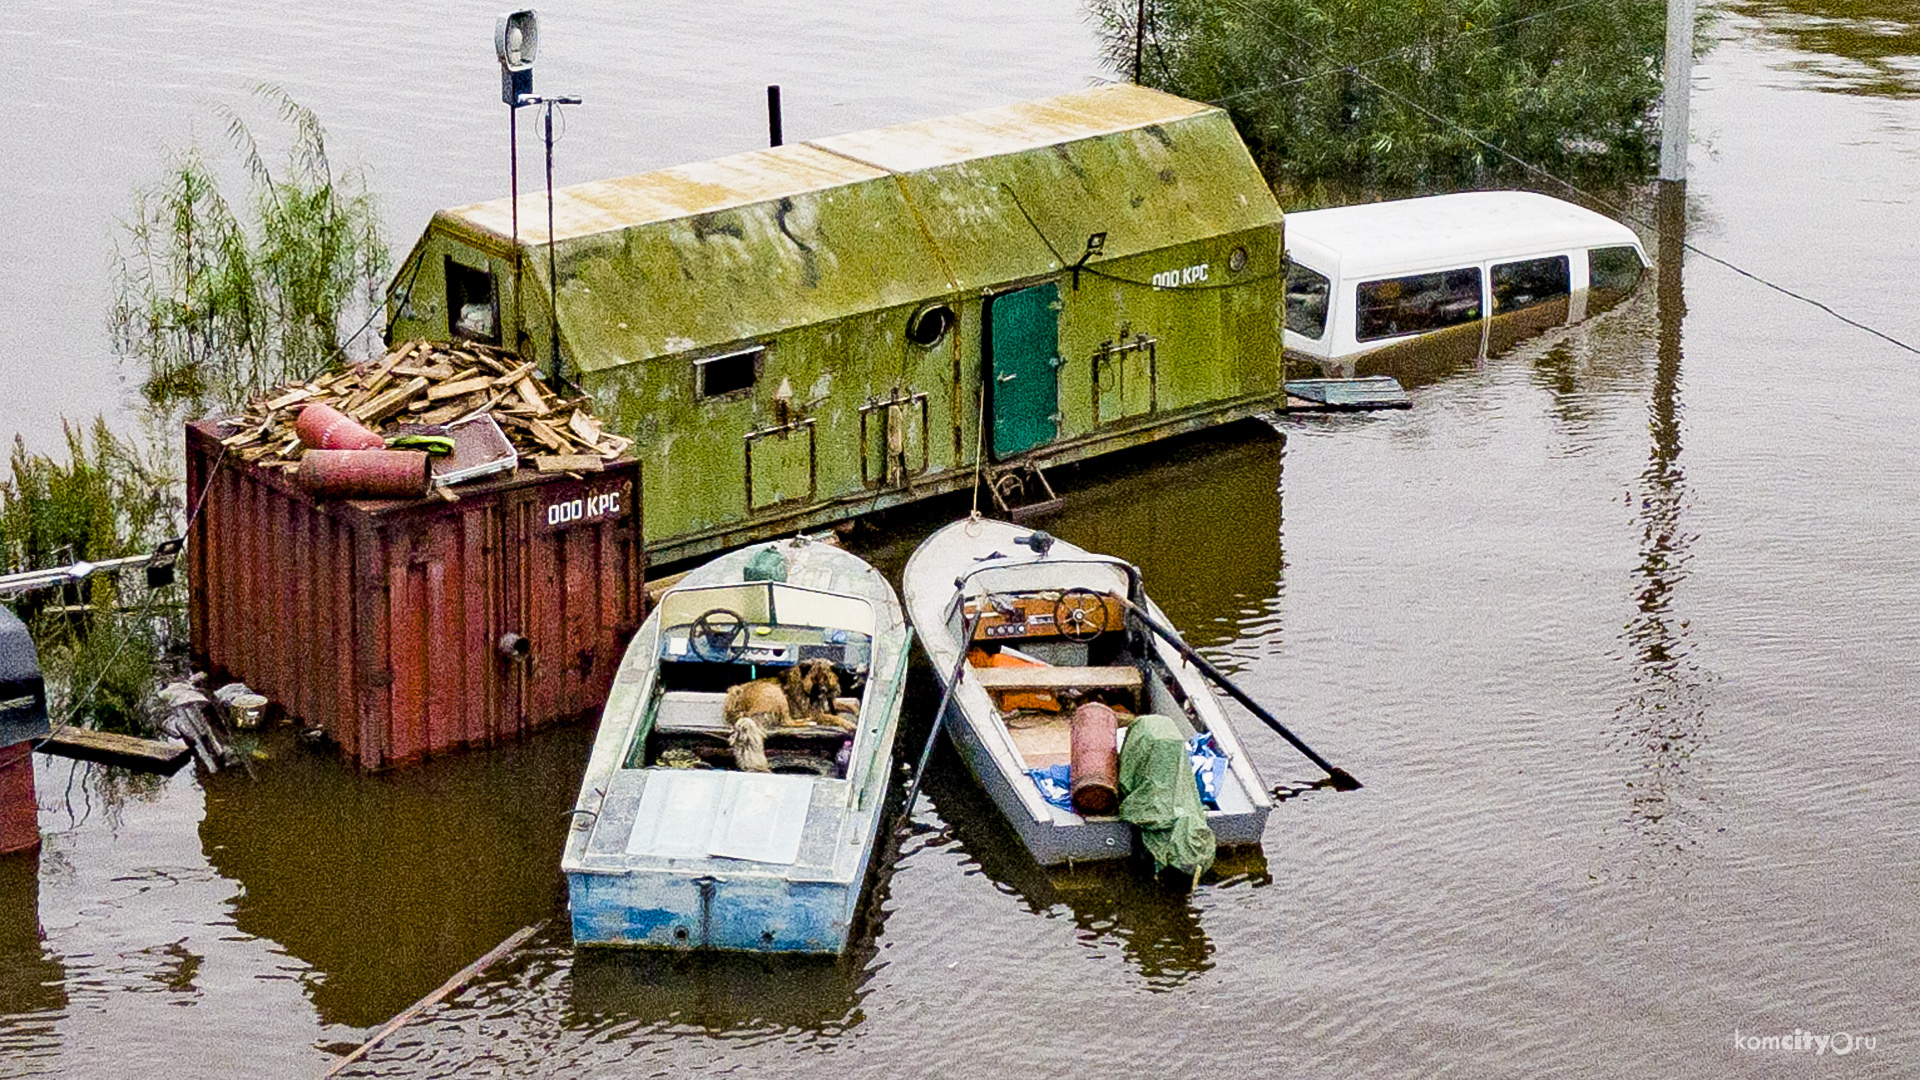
{"x": 804, "y": 696}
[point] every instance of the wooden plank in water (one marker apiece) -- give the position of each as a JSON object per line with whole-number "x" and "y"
{"x": 460, "y": 978}
{"x": 108, "y": 748}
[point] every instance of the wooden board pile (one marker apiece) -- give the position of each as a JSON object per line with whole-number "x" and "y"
{"x": 434, "y": 383}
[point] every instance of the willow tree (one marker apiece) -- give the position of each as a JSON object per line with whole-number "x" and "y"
{"x": 219, "y": 296}
{"x": 1405, "y": 96}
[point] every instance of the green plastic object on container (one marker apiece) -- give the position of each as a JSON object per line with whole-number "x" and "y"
{"x": 1157, "y": 793}
{"x": 767, "y": 564}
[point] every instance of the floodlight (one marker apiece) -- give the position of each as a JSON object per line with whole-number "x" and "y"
{"x": 516, "y": 41}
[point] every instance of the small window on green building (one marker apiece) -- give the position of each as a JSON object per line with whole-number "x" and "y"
{"x": 473, "y": 312}
{"x": 929, "y": 325}
{"x": 731, "y": 373}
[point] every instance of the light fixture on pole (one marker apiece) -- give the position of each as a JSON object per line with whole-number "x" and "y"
{"x": 1095, "y": 243}
{"x": 516, "y": 41}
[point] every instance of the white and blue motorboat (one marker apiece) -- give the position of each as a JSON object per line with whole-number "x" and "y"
{"x": 673, "y": 845}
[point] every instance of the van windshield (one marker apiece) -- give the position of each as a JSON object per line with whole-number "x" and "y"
{"x": 1307, "y": 294}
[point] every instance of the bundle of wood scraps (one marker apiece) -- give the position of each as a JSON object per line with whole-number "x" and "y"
{"x": 428, "y": 384}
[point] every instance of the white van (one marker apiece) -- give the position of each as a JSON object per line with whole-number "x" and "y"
{"x": 1402, "y": 288}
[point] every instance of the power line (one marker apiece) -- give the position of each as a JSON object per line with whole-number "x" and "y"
{"x": 1621, "y": 211}
{"x": 1631, "y": 216}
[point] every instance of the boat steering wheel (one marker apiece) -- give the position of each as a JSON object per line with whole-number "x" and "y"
{"x": 718, "y": 636}
{"x": 1081, "y": 614}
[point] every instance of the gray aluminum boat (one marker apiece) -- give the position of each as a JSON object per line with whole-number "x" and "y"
{"x": 672, "y": 845}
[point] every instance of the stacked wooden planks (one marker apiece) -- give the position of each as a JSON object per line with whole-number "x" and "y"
{"x": 429, "y": 383}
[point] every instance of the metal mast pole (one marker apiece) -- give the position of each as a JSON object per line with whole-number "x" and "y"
{"x": 553, "y": 278}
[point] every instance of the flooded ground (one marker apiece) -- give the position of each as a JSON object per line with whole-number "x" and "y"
{"x": 1621, "y": 639}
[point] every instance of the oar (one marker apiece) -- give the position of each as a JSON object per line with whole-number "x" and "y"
{"x": 1341, "y": 778}
{"x": 966, "y": 642}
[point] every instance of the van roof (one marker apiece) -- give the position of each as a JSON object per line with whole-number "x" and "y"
{"x": 1414, "y": 235}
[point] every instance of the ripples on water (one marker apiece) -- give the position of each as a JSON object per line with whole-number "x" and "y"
{"x": 1619, "y": 630}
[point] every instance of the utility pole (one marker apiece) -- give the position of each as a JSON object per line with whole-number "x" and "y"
{"x": 1679, "y": 87}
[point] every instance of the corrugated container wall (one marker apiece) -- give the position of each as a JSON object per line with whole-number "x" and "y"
{"x": 407, "y": 629}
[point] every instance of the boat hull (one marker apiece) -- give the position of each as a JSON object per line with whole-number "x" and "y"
{"x": 709, "y": 908}
{"x": 1053, "y": 836}
{"x": 711, "y": 858}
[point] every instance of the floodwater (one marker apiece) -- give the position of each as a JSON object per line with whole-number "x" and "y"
{"x": 1620, "y": 630}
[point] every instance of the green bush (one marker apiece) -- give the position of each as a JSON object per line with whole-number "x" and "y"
{"x": 218, "y": 297}
{"x": 102, "y": 642}
{"x": 1394, "y": 97}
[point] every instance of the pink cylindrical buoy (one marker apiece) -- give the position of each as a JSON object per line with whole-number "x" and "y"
{"x": 19, "y": 807}
{"x": 365, "y": 474}
{"x": 1095, "y": 775}
{"x": 323, "y": 427}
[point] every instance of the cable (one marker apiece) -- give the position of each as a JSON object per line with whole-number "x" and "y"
{"x": 1637, "y": 219}
{"x": 1091, "y": 272}
{"x": 1568, "y": 184}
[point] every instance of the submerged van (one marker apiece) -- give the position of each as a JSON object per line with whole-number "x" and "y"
{"x": 1414, "y": 287}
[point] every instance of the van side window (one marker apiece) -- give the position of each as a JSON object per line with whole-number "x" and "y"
{"x": 471, "y": 311}
{"x": 1415, "y": 304}
{"x": 1614, "y": 269}
{"x": 1307, "y": 294}
{"x": 1519, "y": 285}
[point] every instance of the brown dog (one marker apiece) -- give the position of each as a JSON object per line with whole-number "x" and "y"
{"x": 803, "y": 696}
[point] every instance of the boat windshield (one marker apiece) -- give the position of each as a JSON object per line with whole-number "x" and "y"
{"x": 768, "y": 603}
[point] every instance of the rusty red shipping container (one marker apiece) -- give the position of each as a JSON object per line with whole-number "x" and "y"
{"x": 19, "y": 807}
{"x": 404, "y": 629}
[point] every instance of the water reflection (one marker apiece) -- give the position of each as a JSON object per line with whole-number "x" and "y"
{"x": 384, "y": 885}
{"x": 1202, "y": 523}
{"x": 1200, "y": 516}
{"x": 32, "y": 980}
{"x": 1864, "y": 47}
{"x": 717, "y": 993}
{"x": 1151, "y": 918}
{"x": 1662, "y": 724}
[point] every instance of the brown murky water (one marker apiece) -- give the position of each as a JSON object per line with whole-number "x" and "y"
{"x": 1621, "y": 638}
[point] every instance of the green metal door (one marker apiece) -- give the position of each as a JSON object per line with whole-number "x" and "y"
{"x": 1023, "y": 343}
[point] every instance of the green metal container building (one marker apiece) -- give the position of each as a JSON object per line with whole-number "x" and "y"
{"x": 802, "y": 334}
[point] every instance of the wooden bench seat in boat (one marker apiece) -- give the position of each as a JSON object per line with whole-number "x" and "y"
{"x": 1001, "y": 681}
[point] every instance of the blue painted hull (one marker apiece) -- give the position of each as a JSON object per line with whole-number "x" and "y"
{"x": 713, "y": 908}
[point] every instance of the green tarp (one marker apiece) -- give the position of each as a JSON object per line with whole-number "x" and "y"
{"x": 1157, "y": 793}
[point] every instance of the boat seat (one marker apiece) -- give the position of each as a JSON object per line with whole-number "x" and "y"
{"x": 1001, "y": 681}
{"x": 700, "y": 712}
{"x": 692, "y": 712}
